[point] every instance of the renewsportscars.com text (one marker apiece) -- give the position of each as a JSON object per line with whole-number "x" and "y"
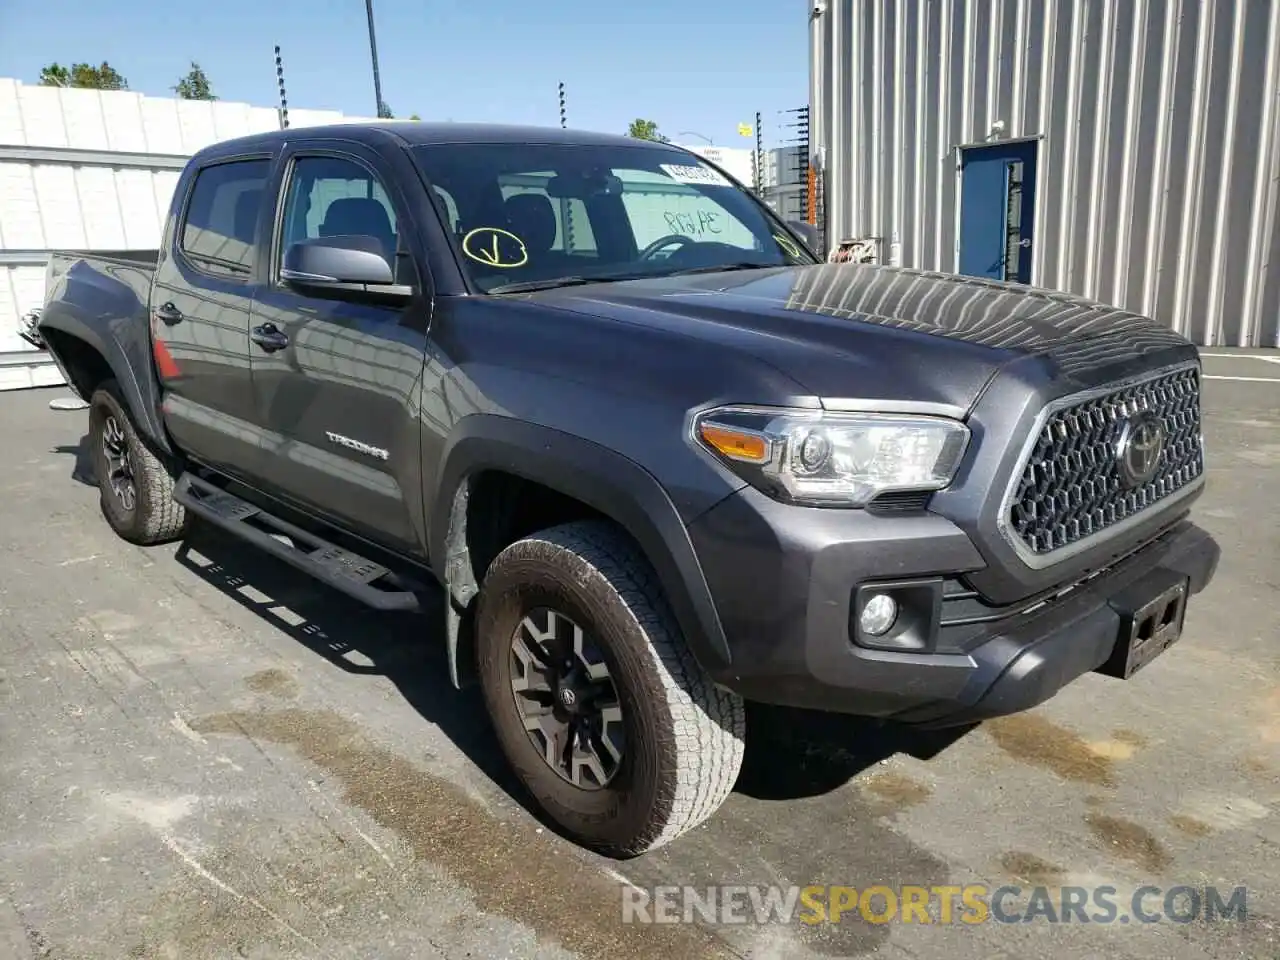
{"x": 971, "y": 904}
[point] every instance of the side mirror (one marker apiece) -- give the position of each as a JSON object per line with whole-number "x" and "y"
{"x": 341, "y": 265}
{"x": 808, "y": 233}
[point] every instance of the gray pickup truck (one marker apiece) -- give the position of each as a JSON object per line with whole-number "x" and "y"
{"x": 659, "y": 458}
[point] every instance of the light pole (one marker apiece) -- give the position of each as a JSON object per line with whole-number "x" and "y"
{"x": 695, "y": 133}
{"x": 373, "y": 55}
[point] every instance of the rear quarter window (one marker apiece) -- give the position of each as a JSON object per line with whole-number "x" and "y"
{"x": 222, "y": 215}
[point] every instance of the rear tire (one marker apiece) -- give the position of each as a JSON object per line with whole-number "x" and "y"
{"x": 135, "y": 487}
{"x": 681, "y": 736}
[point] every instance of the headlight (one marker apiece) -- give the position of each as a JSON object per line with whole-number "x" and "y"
{"x": 833, "y": 459}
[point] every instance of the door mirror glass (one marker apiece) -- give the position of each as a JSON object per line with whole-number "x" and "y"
{"x": 332, "y": 260}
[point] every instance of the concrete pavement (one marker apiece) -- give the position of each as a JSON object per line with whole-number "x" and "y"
{"x": 204, "y": 754}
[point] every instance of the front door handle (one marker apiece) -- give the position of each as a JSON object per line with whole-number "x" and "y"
{"x": 168, "y": 313}
{"x": 269, "y": 337}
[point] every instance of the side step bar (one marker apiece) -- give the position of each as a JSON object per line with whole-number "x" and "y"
{"x": 330, "y": 564}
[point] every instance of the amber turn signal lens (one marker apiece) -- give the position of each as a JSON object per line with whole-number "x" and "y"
{"x": 735, "y": 444}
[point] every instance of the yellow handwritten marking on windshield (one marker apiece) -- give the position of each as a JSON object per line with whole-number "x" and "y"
{"x": 788, "y": 246}
{"x": 491, "y": 251}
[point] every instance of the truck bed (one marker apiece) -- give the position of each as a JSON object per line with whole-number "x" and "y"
{"x": 81, "y": 278}
{"x": 86, "y": 270}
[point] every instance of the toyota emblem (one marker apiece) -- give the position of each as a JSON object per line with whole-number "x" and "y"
{"x": 1138, "y": 451}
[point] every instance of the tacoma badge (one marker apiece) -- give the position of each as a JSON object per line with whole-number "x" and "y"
{"x": 356, "y": 445}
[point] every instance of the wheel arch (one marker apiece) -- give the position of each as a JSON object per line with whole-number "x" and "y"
{"x": 86, "y": 359}
{"x": 606, "y": 483}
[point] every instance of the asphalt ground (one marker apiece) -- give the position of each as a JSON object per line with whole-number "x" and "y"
{"x": 204, "y": 754}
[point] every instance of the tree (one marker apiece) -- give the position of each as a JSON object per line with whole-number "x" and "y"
{"x": 83, "y": 76}
{"x": 384, "y": 113}
{"x": 195, "y": 85}
{"x": 645, "y": 130}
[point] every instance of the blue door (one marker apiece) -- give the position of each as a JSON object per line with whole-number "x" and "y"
{"x": 997, "y": 199}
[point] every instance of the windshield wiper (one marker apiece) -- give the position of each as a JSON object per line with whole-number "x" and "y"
{"x": 527, "y": 286}
{"x": 524, "y": 286}
{"x": 725, "y": 268}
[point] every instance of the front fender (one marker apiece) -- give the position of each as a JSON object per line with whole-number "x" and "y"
{"x": 610, "y": 483}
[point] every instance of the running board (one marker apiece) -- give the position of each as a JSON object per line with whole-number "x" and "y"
{"x": 344, "y": 570}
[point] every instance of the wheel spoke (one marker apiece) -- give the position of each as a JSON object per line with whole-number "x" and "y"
{"x": 611, "y": 732}
{"x": 531, "y": 675}
{"x": 586, "y": 759}
{"x": 119, "y": 465}
{"x": 589, "y": 657}
{"x": 551, "y": 748}
{"x": 537, "y": 696}
{"x": 566, "y": 758}
{"x": 549, "y": 734}
{"x": 540, "y": 720}
{"x": 539, "y": 635}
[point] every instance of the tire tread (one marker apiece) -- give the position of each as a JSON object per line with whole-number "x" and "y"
{"x": 158, "y": 518}
{"x": 708, "y": 722}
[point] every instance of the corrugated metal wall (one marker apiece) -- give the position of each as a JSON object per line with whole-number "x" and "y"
{"x": 86, "y": 169}
{"x": 1159, "y": 167}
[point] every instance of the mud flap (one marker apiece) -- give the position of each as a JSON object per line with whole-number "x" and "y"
{"x": 458, "y": 630}
{"x": 460, "y": 594}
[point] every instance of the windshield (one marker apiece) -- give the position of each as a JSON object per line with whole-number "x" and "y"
{"x": 526, "y": 216}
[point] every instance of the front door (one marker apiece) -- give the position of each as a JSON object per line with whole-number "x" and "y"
{"x": 997, "y": 200}
{"x": 336, "y": 380}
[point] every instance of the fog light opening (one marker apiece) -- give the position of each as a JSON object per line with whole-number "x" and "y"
{"x": 878, "y": 616}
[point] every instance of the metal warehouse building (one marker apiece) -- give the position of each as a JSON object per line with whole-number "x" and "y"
{"x": 1126, "y": 150}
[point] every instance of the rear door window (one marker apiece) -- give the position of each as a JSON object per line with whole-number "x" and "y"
{"x": 221, "y": 217}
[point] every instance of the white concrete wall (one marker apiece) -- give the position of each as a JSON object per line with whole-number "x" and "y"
{"x": 117, "y": 199}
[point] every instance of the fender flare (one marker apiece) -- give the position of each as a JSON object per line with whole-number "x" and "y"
{"x": 612, "y": 484}
{"x": 133, "y": 373}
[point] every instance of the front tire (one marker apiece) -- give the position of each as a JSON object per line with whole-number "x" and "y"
{"x": 135, "y": 488}
{"x": 576, "y": 608}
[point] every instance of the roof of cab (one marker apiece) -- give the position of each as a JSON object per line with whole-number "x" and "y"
{"x": 415, "y": 133}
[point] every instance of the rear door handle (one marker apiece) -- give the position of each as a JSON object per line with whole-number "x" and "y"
{"x": 168, "y": 313}
{"x": 269, "y": 337}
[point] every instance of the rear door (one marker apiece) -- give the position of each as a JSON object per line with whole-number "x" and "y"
{"x": 336, "y": 378}
{"x": 204, "y": 288}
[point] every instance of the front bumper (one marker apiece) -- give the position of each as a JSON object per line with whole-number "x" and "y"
{"x": 784, "y": 580}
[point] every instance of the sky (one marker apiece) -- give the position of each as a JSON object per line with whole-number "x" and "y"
{"x": 698, "y": 68}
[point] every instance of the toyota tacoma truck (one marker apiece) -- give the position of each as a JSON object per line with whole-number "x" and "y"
{"x": 656, "y": 457}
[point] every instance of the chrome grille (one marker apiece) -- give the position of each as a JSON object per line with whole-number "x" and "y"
{"x": 1073, "y": 487}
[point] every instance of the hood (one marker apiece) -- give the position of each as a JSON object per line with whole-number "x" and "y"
{"x": 861, "y": 331}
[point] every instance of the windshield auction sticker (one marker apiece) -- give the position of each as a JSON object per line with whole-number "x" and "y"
{"x": 788, "y": 246}
{"x": 495, "y": 248}
{"x": 694, "y": 175}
